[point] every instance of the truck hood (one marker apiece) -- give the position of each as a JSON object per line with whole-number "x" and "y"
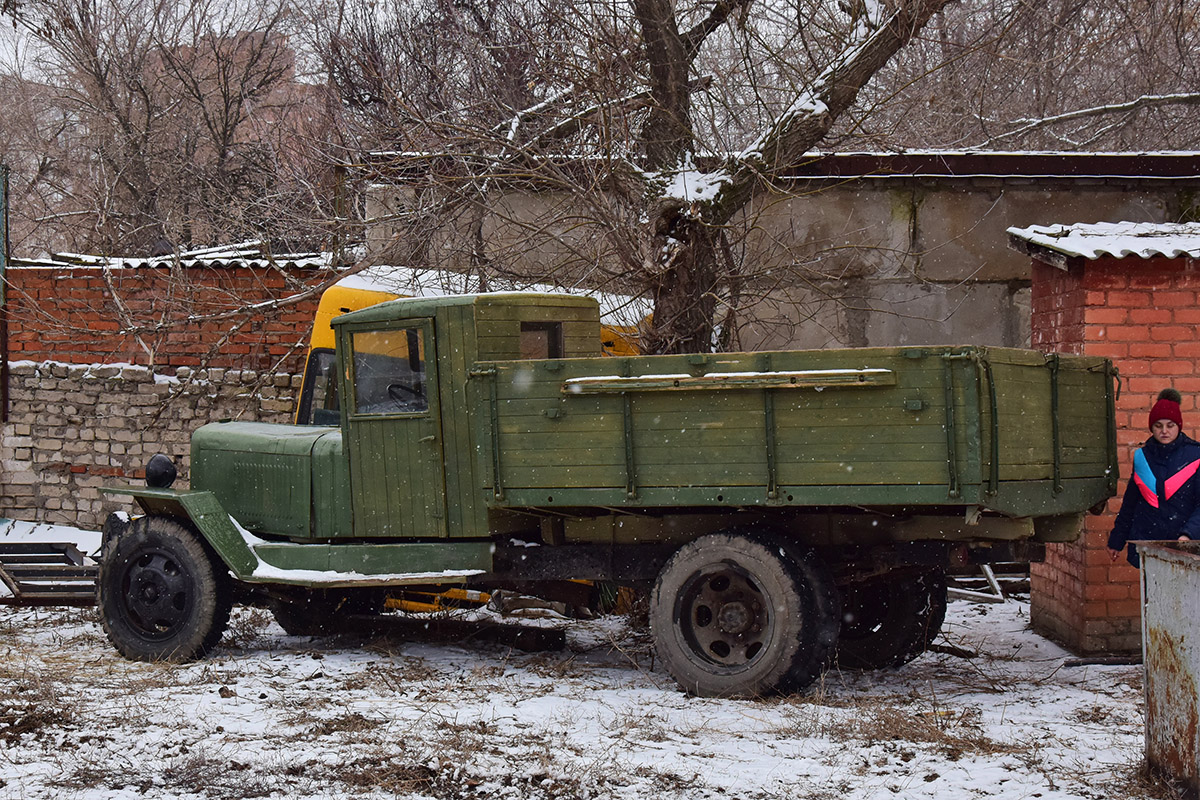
{"x": 261, "y": 473}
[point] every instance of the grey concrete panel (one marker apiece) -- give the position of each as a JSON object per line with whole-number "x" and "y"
{"x": 960, "y": 234}
{"x": 915, "y": 314}
{"x": 799, "y": 318}
{"x": 839, "y": 231}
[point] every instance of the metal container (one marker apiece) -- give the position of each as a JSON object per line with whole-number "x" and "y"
{"x": 1171, "y": 655}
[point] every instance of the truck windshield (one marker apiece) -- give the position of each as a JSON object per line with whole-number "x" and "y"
{"x": 318, "y": 397}
{"x": 389, "y": 372}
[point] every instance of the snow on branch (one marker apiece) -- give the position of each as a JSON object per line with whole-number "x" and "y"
{"x": 1145, "y": 101}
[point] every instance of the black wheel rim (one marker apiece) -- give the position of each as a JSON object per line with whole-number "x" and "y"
{"x": 156, "y": 594}
{"x": 724, "y": 617}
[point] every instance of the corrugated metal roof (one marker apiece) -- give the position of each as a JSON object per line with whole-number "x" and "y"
{"x": 1111, "y": 239}
{"x": 244, "y": 254}
{"x": 1176, "y": 166}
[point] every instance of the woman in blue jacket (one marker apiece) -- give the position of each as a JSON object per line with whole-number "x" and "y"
{"x": 1162, "y": 500}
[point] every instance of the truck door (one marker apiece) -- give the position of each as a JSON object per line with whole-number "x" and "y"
{"x": 394, "y": 441}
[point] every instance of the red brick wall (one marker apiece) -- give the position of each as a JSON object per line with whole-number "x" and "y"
{"x": 1142, "y": 314}
{"x": 71, "y": 316}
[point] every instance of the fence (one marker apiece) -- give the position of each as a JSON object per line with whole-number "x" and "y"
{"x": 73, "y": 428}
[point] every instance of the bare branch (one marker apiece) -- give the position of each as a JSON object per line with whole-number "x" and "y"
{"x": 694, "y": 38}
{"x": 1145, "y": 101}
{"x": 810, "y": 117}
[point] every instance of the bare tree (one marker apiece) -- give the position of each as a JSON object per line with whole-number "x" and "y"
{"x": 187, "y": 125}
{"x": 1058, "y": 75}
{"x": 615, "y": 105}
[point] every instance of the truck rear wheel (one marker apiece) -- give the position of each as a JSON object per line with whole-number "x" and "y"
{"x": 161, "y": 596}
{"x": 889, "y": 621}
{"x": 738, "y": 614}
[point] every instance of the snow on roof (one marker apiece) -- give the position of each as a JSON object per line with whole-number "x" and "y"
{"x": 1112, "y": 239}
{"x": 411, "y": 282}
{"x": 244, "y": 254}
{"x": 1135, "y": 165}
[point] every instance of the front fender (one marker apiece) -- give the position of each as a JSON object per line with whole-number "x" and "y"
{"x": 203, "y": 512}
{"x": 255, "y": 560}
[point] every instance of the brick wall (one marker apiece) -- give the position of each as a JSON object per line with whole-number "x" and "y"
{"x": 72, "y": 316}
{"x": 1143, "y": 314}
{"x": 73, "y": 428}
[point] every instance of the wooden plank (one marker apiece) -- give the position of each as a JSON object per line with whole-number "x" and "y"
{"x": 884, "y": 438}
{"x": 467, "y": 516}
{"x": 537, "y": 311}
{"x": 563, "y": 476}
{"x": 544, "y": 441}
{"x": 542, "y": 432}
{"x": 515, "y": 457}
{"x": 813, "y": 379}
{"x": 561, "y": 426}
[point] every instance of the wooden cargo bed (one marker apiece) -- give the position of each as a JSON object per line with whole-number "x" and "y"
{"x": 1007, "y": 430}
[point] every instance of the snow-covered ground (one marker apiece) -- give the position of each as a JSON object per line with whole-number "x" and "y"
{"x": 270, "y": 715}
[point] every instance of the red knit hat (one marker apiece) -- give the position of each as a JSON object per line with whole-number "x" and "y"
{"x": 1167, "y": 407}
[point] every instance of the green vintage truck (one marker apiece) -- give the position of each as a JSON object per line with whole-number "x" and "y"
{"x": 788, "y": 509}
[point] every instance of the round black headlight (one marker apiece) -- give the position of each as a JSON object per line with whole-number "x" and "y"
{"x": 160, "y": 472}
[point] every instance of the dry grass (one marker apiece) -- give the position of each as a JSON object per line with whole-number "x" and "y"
{"x": 347, "y": 723}
{"x": 33, "y": 698}
{"x": 396, "y": 674}
{"x": 952, "y": 733}
{"x": 1092, "y": 715}
{"x": 247, "y": 629}
{"x": 872, "y": 720}
{"x": 389, "y": 773}
{"x": 30, "y": 716}
{"x": 195, "y": 771}
{"x": 1137, "y": 779}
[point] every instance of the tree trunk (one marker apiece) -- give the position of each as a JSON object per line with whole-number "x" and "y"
{"x": 686, "y": 237}
{"x": 685, "y": 288}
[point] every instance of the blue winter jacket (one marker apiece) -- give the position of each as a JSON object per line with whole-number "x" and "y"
{"x": 1162, "y": 500}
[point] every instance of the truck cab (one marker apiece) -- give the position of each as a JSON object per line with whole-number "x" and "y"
{"x": 409, "y": 418}
{"x": 404, "y": 439}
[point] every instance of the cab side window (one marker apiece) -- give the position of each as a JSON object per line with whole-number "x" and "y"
{"x": 389, "y": 372}
{"x": 541, "y": 340}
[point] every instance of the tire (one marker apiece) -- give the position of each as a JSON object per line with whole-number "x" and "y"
{"x": 738, "y": 614}
{"x": 321, "y": 612}
{"x": 889, "y": 621}
{"x": 161, "y": 595}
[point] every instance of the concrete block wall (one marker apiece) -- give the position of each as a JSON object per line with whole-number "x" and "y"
{"x": 1144, "y": 315}
{"x": 73, "y": 428}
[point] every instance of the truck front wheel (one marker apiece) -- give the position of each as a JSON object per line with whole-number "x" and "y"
{"x": 891, "y": 620}
{"x": 740, "y": 614}
{"x": 161, "y": 596}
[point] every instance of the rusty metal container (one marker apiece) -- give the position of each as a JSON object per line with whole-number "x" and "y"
{"x": 1171, "y": 655}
